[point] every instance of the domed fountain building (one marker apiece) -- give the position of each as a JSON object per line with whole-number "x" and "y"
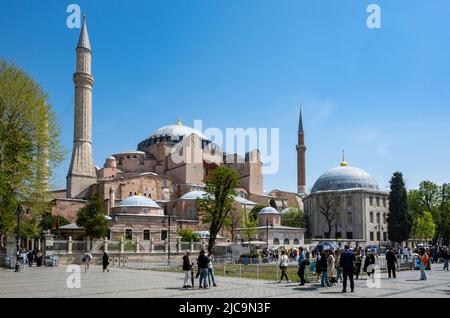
{"x": 346, "y": 203}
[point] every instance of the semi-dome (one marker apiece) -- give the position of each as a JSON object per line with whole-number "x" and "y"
{"x": 110, "y": 158}
{"x": 138, "y": 201}
{"x": 344, "y": 177}
{"x": 193, "y": 195}
{"x": 268, "y": 210}
{"x": 177, "y": 131}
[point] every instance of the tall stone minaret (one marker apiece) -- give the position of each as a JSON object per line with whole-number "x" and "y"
{"x": 301, "y": 164}
{"x": 82, "y": 171}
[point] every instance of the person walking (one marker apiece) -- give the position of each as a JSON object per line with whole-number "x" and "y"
{"x": 284, "y": 262}
{"x": 202, "y": 262}
{"x": 324, "y": 268}
{"x": 318, "y": 268}
{"x": 338, "y": 266}
{"x": 302, "y": 263}
{"x": 87, "y": 259}
{"x": 30, "y": 258}
{"x": 358, "y": 262}
{"x": 38, "y": 258}
{"x": 105, "y": 262}
{"x": 368, "y": 264}
{"x": 423, "y": 261}
{"x": 347, "y": 262}
{"x": 331, "y": 270}
{"x": 211, "y": 269}
{"x": 391, "y": 261}
{"x": 188, "y": 270}
{"x": 445, "y": 258}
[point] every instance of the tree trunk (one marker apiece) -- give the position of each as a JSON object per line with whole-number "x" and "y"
{"x": 211, "y": 242}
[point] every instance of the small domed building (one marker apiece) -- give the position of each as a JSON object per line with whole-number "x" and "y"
{"x": 270, "y": 230}
{"x": 350, "y": 200}
{"x": 136, "y": 217}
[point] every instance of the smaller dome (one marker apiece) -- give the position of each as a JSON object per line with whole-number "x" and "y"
{"x": 268, "y": 210}
{"x": 111, "y": 158}
{"x": 193, "y": 195}
{"x": 138, "y": 201}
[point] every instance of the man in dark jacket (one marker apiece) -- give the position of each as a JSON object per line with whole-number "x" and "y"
{"x": 188, "y": 270}
{"x": 391, "y": 261}
{"x": 347, "y": 262}
{"x": 202, "y": 263}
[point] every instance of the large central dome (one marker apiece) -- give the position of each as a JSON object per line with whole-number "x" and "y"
{"x": 344, "y": 177}
{"x": 177, "y": 131}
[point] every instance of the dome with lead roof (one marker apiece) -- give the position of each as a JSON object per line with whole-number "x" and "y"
{"x": 344, "y": 177}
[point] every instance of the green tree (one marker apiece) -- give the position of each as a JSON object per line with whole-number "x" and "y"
{"x": 215, "y": 207}
{"x": 254, "y": 212}
{"x": 92, "y": 218}
{"x": 188, "y": 235}
{"x": 293, "y": 218}
{"x": 425, "y": 226}
{"x": 50, "y": 221}
{"x": 434, "y": 199}
{"x": 399, "y": 223}
{"x": 29, "y": 146}
{"x": 248, "y": 223}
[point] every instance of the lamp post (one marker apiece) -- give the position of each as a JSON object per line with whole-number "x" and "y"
{"x": 170, "y": 217}
{"x": 380, "y": 229}
{"x": 19, "y": 211}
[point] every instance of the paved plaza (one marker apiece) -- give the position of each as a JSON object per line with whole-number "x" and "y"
{"x": 51, "y": 282}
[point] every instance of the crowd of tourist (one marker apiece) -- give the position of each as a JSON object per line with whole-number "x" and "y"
{"x": 205, "y": 270}
{"x": 30, "y": 257}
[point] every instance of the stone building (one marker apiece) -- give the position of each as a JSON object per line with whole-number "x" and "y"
{"x": 270, "y": 230}
{"x": 168, "y": 169}
{"x": 351, "y": 200}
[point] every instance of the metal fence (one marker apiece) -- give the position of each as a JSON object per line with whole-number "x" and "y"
{"x": 259, "y": 269}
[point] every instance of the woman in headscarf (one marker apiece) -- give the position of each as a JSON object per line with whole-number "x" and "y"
{"x": 105, "y": 262}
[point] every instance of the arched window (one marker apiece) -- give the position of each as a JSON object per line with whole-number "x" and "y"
{"x": 296, "y": 241}
{"x": 192, "y": 213}
{"x": 124, "y": 210}
{"x": 286, "y": 241}
{"x": 276, "y": 241}
{"x": 378, "y": 218}
{"x": 349, "y": 218}
{"x": 384, "y": 219}
{"x": 349, "y": 201}
{"x": 371, "y": 217}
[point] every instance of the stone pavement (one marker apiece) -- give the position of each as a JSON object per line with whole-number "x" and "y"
{"x": 51, "y": 282}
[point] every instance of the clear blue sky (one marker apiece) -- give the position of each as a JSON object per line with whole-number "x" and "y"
{"x": 382, "y": 95}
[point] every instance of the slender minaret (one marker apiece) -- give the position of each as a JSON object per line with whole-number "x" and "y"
{"x": 82, "y": 172}
{"x": 301, "y": 164}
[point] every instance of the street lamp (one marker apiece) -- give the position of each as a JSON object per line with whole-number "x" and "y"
{"x": 170, "y": 217}
{"x": 380, "y": 229}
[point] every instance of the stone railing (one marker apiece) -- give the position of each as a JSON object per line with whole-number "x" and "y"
{"x": 125, "y": 246}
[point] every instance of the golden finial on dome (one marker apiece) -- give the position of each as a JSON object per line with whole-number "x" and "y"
{"x": 179, "y": 120}
{"x": 343, "y": 163}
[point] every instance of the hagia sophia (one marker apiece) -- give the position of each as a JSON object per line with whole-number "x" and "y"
{"x": 143, "y": 188}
